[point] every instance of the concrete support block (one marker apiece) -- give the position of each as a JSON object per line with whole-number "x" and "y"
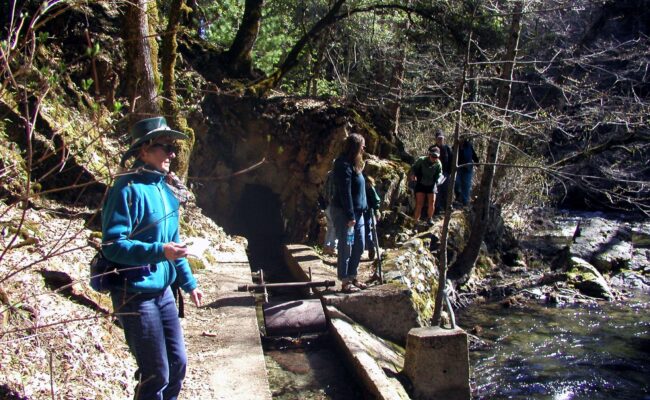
{"x": 437, "y": 363}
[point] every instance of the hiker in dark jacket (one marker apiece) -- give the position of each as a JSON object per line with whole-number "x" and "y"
{"x": 140, "y": 229}
{"x": 329, "y": 244}
{"x": 370, "y": 215}
{"x": 466, "y": 159}
{"x": 348, "y": 204}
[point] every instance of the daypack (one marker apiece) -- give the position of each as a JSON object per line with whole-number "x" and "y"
{"x": 106, "y": 274}
{"x": 330, "y": 187}
{"x": 417, "y": 169}
{"x": 103, "y": 273}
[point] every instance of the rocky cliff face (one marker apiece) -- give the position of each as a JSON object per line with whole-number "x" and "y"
{"x": 259, "y": 164}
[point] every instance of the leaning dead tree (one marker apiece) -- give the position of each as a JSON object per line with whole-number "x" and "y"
{"x": 443, "y": 262}
{"x": 480, "y": 222}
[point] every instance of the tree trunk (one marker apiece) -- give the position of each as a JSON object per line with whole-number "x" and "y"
{"x": 170, "y": 106}
{"x": 140, "y": 71}
{"x": 396, "y": 83}
{"x": 444, "y": 235}
{"x": 312, "y": 84}
{"x": 168, "y": 60}
{"x": 238, "y": 57}
{"x": 465, "y": 262}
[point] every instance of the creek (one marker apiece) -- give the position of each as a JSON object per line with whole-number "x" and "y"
{"x": 543, "y": 352}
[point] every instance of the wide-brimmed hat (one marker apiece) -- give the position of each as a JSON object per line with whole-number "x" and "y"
{"x": 434, "y": 151}
{"x": 147, "y": 130}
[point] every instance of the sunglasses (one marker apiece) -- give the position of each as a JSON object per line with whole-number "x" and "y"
{"x": 168, "y": 148}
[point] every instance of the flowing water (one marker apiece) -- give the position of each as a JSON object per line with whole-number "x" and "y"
{"x": 307, "y": 367}
{"x": 310, "y": 370}
{"x": 540, "y": 352}
{"x": 298, "y": 368}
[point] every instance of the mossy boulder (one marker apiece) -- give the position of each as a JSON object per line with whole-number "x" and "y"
{"x": 414, "y": 267}
{"x": 586, "y": 278}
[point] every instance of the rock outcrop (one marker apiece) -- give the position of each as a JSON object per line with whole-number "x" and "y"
{"x": 263, "y": 161}
{"x": 593, "y": 249}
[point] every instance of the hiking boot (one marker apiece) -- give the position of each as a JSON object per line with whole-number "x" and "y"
{"x": 430, "y": 222}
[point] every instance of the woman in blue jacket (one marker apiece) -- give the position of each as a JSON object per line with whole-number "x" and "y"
{"x": 140, "y": 233}
{"x": 348, "y": 204}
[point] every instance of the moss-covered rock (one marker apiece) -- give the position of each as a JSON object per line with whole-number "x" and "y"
{"x": 413, "y": 266}
{"x": 586, "y": 278}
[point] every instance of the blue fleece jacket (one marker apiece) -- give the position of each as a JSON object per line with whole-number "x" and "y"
{"x": 140, "y": 215}
{"x": 349, "y": 189}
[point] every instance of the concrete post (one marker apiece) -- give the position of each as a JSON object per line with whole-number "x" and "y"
{"x": 437, "y": 363}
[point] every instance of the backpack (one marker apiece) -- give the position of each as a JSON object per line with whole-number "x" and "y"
{"x": 417, "y": 169}
{"x": 329, "y": 186}
{"x": 103, "y": 273}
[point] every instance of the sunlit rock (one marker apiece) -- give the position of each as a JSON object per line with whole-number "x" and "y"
{"x": 586, "y": 278}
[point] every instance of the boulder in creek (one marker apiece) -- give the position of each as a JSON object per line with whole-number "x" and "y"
{"x": 641, "y": 261}
{"x": 549, "y": 234}
{"x": 616, "y": 257}
{"x": 586, "y": 278}
{"x": 605, "y": 244}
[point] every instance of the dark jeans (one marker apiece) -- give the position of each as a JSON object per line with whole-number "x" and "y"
{"x": 155, "y": 338}
{"x": 464, "y": 184}
{"x": 348, "y": 256}
{"x": 369, "y": 227}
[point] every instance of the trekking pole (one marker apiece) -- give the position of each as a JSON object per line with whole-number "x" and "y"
{"x": 452, "y": 317}
{"x": 376, "y": 238}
